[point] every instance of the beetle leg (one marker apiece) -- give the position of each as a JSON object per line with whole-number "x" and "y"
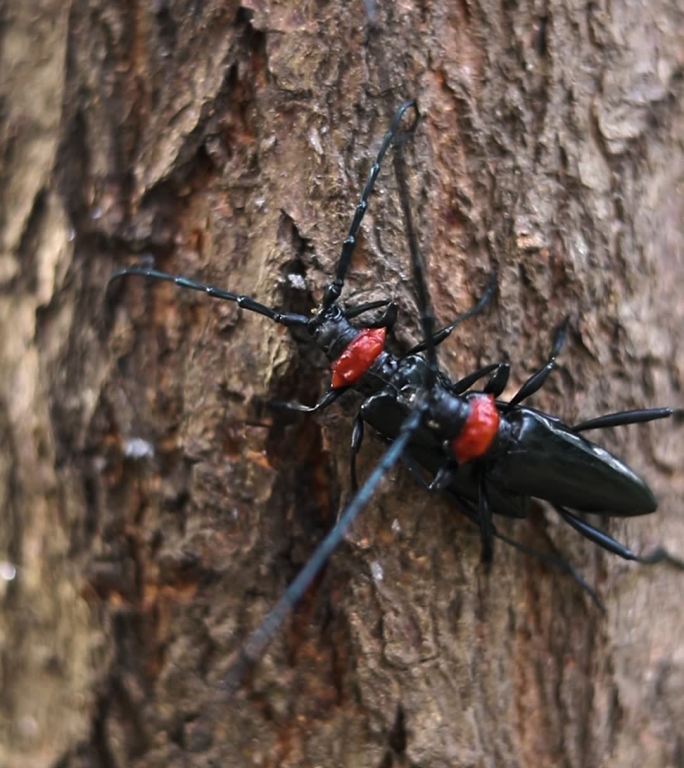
{"x": 445, "y": 332}
{"x": 441, "y": 480}
{"x": 552, "y": 560}
{"x": 537, "y": 379}
{"x": 387, "y": 319}
{"x": 416, "y": 472}
{"x": 327, "y": 399}
{"x": 622, "y": 418}
{"x": 353, "y": 312}
{"x": 594, "y": 534}
{"x": 497, "y": 383}
{"x": 485, "y": 521}
{"x": 555, "y": 561}
{"x": 661, "y": 555}
{"x": 356, "y": 440}
{"x": 467, "y": 381}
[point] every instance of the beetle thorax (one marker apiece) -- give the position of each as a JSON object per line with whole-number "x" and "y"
{"x": 332, "y": 331}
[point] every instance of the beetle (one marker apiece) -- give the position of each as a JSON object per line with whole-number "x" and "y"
{"x": 492, "y": 456}
{"x": 501, "y": 454}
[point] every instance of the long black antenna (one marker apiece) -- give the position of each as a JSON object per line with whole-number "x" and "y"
{"x": 255, "y": 645}
{"x": 393, "y": 136}
{"x": 427, "y": 318}
{"x": 244, "y": 302}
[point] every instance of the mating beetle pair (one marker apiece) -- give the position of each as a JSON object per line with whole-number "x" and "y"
{"x": 492, "y": 456}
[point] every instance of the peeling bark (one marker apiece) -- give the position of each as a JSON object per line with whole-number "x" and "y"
{"x": 155, "y": 507}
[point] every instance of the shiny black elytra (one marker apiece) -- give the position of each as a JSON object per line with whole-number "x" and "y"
{"x": 492, "y": 456}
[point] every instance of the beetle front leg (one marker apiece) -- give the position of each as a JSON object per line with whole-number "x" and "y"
{"x": 327, "y": 399}
{"x": 386, "y": 320}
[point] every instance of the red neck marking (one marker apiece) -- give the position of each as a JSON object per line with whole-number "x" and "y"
{"x": 358, "y": 357}
{"x": 479, "y": 431}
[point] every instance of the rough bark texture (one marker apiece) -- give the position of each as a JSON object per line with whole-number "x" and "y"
{"x": 154, "y": 508}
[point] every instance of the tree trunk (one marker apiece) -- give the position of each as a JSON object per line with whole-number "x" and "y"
{"x": 155, "y": 506}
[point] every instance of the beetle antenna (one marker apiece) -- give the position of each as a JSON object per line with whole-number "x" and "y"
{"x": 255, "y": 645}
{"x": 244, "y": 302}
{"x": 393, "y": 136}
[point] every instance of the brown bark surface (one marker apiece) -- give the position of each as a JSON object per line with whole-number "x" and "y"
{"x": 154, "y": 507}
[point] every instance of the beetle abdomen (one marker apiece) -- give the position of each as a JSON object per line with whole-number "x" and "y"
{"x": 546, "y": 460}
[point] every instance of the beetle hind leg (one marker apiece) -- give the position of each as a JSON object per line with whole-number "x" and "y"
{"x": 558, "y": 562}
{"x": 600, "y": 538}
{"x": 661, "y": 555}
{"x": 552, "y": 560}
{"x": 658, "y": 555}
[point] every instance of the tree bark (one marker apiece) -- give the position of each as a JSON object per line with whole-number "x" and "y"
{"x": 155, "y": 507}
